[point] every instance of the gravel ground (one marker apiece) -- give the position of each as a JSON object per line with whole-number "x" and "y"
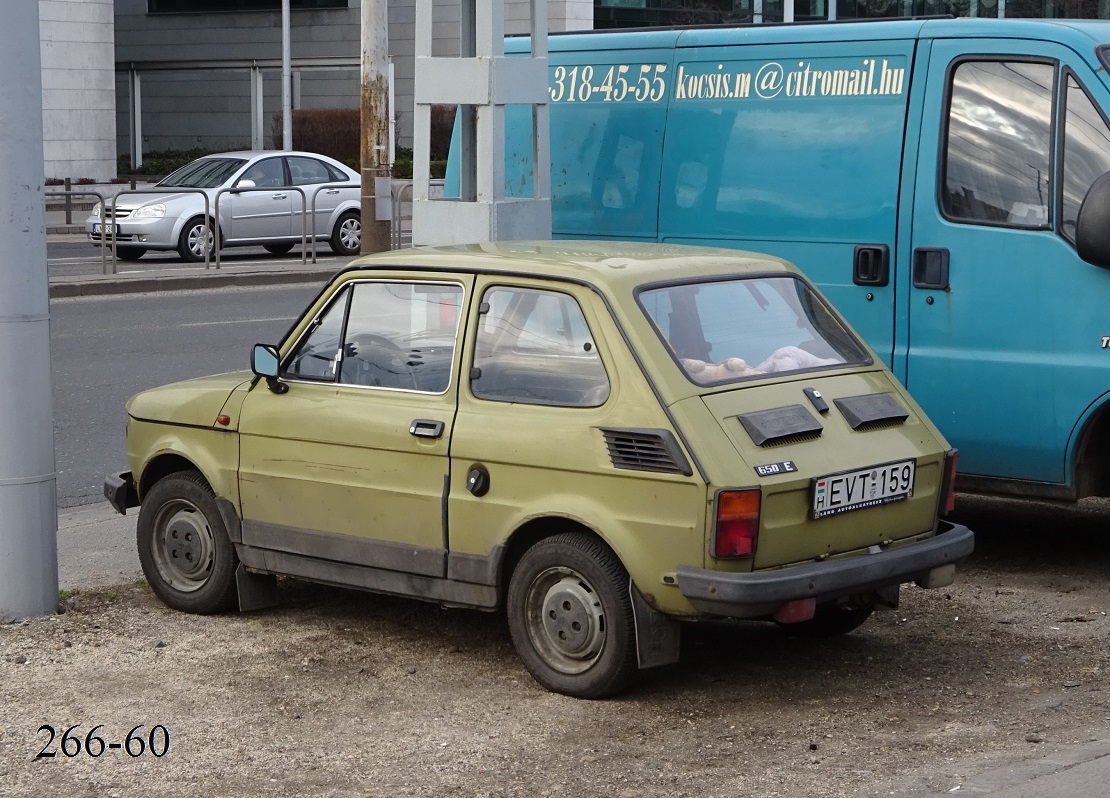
{"x": 339, "y": 693}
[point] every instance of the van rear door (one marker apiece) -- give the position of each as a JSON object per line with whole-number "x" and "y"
{"x": 1006, "y": 322}
{"x": 793, "y": 149}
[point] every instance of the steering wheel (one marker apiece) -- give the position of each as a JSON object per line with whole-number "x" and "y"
{"x": 381, "y": 357}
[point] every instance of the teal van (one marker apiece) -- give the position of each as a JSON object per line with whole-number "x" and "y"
{"x": 943, "y": 181}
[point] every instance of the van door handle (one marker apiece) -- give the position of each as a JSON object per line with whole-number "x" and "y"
{"x": 426, "y": 428}
{"x": 930, "y": 268}
{"x": 872, "y": 265}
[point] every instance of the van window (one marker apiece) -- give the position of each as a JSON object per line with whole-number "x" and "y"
{"x": 737, "y": 329}
{"x": 1086, "y": 152}
{"x": 998, "y": 157}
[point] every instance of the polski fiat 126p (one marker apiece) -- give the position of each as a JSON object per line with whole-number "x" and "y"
{"x": 605, "y": 440}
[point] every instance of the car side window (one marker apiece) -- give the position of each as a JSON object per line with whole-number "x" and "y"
{"x": 318, "y": 355}
{"x": 267, "y": 173}
{"x": 306, "y": 171}
{"x": 998, "y": 153}
{"x": 534, "y": 347}
{"x": 401, "y": 335}
{"x": 1086, "y": 152}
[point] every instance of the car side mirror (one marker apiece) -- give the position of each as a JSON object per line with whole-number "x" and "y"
{"x": 245, "y": 183}
{"x": 265, "y": 362}
{"x": 1092, "y": 229}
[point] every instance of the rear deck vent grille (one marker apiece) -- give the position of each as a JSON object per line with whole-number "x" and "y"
{"x": 872, "y": 411}
{"x": 646, "y": 450}
{"x": 781, "y": 425}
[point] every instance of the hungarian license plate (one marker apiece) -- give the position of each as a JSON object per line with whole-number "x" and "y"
{"x": 100, "y": 228}
{"x": 865, "y": 487}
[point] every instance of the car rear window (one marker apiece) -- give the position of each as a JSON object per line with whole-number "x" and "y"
{"x": 728, "y": 330}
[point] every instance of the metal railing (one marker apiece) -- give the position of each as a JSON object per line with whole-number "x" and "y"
{"x": 160, "y": 192}
{"x": 259, "y": 190}
{"x": 315, "y": 194}
{"x": 69, "y": 195}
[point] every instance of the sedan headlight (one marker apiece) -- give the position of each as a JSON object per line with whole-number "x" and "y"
{"x": 158, "y": 211}
{"x": 96, "y": 210}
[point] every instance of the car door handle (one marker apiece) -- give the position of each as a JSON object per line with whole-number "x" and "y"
{"x": 279, "y": 196}
{"x": 872, "y": 265}
{"x": 331, "y": 191}
{"x": 426, "y": 428}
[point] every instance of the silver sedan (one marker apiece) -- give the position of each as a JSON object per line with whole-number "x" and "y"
{"x": 259, "y": 200}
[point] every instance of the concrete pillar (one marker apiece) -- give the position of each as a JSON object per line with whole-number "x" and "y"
{"x": 28, "y": 509}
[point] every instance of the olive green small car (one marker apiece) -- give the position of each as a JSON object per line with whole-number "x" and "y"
{"x": 603, "y": 440}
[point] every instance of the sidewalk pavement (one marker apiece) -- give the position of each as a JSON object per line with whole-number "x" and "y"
{"x": 160, "y": 274}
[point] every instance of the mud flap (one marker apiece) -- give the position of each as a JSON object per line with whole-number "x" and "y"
{"x": 657, "y": 636}
{"x": 256, "y": 591}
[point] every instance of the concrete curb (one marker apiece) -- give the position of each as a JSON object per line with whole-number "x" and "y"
{"x": 145, "y": 284}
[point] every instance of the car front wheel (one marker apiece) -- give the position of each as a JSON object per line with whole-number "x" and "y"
{"x": 184, "y": 549}
{"x": 570, "y": 616}
{"x": 195, "y": 238}
{"x": 346, "y": 236}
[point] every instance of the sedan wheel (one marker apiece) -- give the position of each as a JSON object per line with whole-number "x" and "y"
{"x": 195, "y": 239}
{"x": 346, "y": 238}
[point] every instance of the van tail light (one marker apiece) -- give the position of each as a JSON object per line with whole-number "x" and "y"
{"x": 737, "y": 526}
{"x": 948, "y": 488}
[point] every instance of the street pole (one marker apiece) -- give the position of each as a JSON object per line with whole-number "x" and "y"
{"x": 375, "y": 127}
{"x": 28, "y": 504}
{"x": 286, "y": 81}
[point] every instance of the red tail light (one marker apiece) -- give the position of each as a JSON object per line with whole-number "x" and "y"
{"x": 737, "y": 527}
{"x": 948, "y": 489}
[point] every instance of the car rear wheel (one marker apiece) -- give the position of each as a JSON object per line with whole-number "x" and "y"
{"x": 831, "y": 619}
{"x": 570, "y": 616}
{"x": 346, "y": 236}
{"x": 184, "y": 549}
{"x": 130, "y": 253}
{"x": 277, "y": 249}
{"x": 196, "y": 237}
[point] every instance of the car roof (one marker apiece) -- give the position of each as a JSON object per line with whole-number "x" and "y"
{"x": 257, "y": 153}
{"x": 616, "y": 264}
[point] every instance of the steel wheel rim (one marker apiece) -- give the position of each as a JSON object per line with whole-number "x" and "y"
{"x": 200, "y": 237}
{"x": 184, "y": 548}
{"x": 566, "y": 620}
{"x": 350, "y": 234}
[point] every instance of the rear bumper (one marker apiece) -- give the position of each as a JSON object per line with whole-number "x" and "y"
{"x": 751, "y": 595}
{"x": 119, "y": 490}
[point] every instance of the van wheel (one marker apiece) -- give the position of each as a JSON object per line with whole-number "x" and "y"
{"x": 196, "y": 237}
{"x": 346, "y": 236}
{"x": 570, "y": 616}
{"x": 830, "y": 620}
{"x": 184, "y": 549}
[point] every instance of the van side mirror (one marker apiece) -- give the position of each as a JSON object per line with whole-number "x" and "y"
{"x": 1092, "y": 229}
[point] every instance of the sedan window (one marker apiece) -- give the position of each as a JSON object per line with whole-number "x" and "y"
{"x": 267, "y": 173}
{"x": 305, "y": 171}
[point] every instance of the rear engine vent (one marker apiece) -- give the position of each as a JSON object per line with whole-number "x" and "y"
{"x": 646, "y": 450}
{"x": 781, "y": 426}
{"x": 872, "y": 411}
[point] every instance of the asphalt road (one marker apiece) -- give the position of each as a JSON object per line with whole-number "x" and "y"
{"x": 104, "y": 349}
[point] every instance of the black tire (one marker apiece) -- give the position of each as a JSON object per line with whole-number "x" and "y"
{"x": 184, "y": 548}
{"x": 346, "y": 236}
{"x": 129, "y": 253}
{"x": 570, "y": 616}
{"x": 277, "y": 249}
{"x": 831, "y": 620}
{"x": 193, "y": 239}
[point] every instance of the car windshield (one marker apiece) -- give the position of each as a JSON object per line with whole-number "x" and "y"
{"x": 737, "y": 329}
{"x": 205, "y": 173}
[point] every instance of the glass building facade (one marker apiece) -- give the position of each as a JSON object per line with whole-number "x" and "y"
{"x": 655, "y": 13}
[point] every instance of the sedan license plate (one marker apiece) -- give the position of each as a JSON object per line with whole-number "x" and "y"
{"x": 99, "y": 228}
{"x": 865, "y": 487}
